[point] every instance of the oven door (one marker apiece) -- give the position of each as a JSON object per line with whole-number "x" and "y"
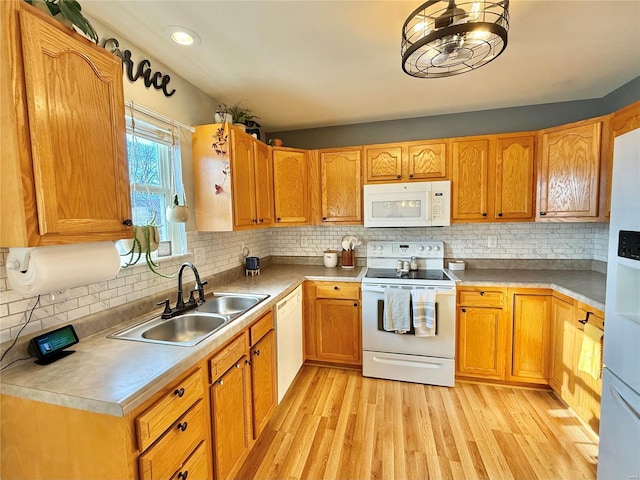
{"x": 376, "y": 339}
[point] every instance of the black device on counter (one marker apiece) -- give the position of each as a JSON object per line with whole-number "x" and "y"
{"x": 50, "y": 346}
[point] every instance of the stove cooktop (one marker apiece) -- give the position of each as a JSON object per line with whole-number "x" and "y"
{"x": 390, "y": 273}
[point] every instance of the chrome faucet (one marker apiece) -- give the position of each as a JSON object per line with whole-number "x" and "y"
{"x": 181, "y": 306}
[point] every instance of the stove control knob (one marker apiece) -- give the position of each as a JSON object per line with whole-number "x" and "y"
{"x": 380, "y": 248}
{"x": 421, "y": 248}
{"x": 429, "y": 248}
{"x": 436, "y": 249}
{"x": 372, "y": 247}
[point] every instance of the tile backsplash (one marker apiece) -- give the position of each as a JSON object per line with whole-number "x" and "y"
{"x": 216, "y": 252}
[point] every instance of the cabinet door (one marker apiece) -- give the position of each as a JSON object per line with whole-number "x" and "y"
{"x": 75, "y": 106}
{"x": 338, "y": 331}
{"x": 481, "y": 342}
{"x": 530, "y": 338}
{"x": 263, "y": 183}
{"x": 243, "y": 180}
{"x": 469, "y": 183}
{"x": 427, "y": 160}
{"x": 291, "y": 187}
{"x": 383, "y": 164}
{"x": 562, "y": 334}
{"x": 231, "y": 419}
{"x": 340, "y": 185}
{"x": 263, "y": 382}
{"x": 514, "y": 174}
{"x": 569, "y": 171}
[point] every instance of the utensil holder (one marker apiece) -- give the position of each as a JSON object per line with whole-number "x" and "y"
{"x": 347, "y": 258}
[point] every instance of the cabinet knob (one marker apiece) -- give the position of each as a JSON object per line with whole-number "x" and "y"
{"x": 179, "y": 392}
{"x": 128, "y": 222}
{"x": 398, "y": 176}
{"x": 278, "y": 219}
{"x": 237, "y": 365}
{"x": 411, "y": 175}
{"x": 484, "y": 214}
{"x": 220, "y": 382}
{"x": 183, "y": 475}
{"x": 247, "y": 361}
{"x": 256, "y": 353}
{"x": 464, "y": 310}
{"x": 355, "y": 304}
{"x": 500, "y": 214}
{"x": 262, "y": 220}
{"x": 182, "y": 426}
{"x": 254, "y": 220}
{"x": 482, "y": 294}
{"x": 336, "y": 287}
{"x": 324, "y": 218}
{"x": 543, "y": 213}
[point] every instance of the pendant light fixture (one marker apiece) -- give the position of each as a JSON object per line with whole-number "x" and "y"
{"x": 441, "y": 38}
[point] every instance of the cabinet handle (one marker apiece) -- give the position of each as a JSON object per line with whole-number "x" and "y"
{"x": 585, "y": 319}
{"x": 179, "y": 392}
{"x": 128, "y": 222}
{"x": 220, "y": 382}
{"x": 262, "y": 220}
{"x": 278, "y": 219}
{"x": 484, "y": 214}
{"x": 543, "y": 213}
{"x": 182, "y": 426}
{"x": 324, "y": 219}
{"x": 237, "y": 365}
{"x": 183, "y": 475}
{"x": 464, "y": 310}
{"x": 482, "y": 294}
{"x": 355, "y": 304}
{"x": 336, "y": 288}
{"x": 398, "y": 176}
{"x": 411, "y": 175}
{"x": 254, "y": 220}
{"x": 247, "y": 361}
{"x": 256, "y": 353}
{"x": 500, "y": 214}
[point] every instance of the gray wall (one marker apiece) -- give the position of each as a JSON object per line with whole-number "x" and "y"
{"x": 503, "y": 120}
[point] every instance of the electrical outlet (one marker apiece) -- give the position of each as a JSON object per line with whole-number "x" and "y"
{"x": 492, "y": 241}
{"x": 59, "y": 295}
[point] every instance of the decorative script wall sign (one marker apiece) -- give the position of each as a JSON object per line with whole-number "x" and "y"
{"x": 156, "y": 80}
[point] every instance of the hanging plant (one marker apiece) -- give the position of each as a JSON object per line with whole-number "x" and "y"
{"x": 220, "y": 144}
{"x": 145, "y": 241}
{"x": 175, "y": 212}
{"x": 67, "y": 12}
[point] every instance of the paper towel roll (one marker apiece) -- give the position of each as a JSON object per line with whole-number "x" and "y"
{"x": 61, "y": 266}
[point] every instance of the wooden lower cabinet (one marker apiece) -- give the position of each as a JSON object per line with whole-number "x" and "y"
{"x": 530, "y": 336}
{"x": 263, "y": 380}
{"x": 562, "y": 338}
{"x": 503, "y": 334}
{"x": 332, "y": 326}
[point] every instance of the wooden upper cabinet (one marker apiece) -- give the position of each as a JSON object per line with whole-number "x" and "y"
{"x": 383, "y": 163}
{"x": 64, "y": 123}
{"x": 233, "y": 182}
{"x": 291, "y": 186}
{"x": 514, "y": 176}
{"x": 470, "y": 189}
{"x": 427, "y": 160}
{"x": 569, "y": 171}
{"x": 243, "y": 178}
{"x": 626, "y": 119}
{"x": 340, "y": 186}
{"x": 408, "y": 161}
{"x": 263, "y": 183}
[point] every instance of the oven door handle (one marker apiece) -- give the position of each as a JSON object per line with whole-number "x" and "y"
{"x": 381, "y": 289}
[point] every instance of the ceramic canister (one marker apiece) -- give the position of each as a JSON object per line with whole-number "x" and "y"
{"x": 330, "y": 258}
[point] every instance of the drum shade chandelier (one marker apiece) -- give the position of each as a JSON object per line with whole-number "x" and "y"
{"x": 441, "y": 38}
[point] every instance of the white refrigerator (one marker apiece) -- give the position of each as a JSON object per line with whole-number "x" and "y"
{"x": 619, "y": 451}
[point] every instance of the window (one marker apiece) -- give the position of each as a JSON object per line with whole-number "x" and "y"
{"x": 155, "y": 173}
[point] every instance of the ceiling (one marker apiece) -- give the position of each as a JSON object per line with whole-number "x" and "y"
{"x": 303, "y": 64}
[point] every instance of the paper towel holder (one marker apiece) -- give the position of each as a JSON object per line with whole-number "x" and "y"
{"x": 18, "y": 258}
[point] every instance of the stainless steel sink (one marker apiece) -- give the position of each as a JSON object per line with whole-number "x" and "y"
{"x": 192, "y": 327}
{"x": 229, "y": 304}
{"x": 185, "y": 328}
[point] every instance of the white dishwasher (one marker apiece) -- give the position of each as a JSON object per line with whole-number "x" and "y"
{"x": 289, "y": 339}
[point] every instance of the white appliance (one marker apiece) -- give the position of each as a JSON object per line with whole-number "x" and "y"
{"x": 419, "y": 204}
{"x": 619, "y": 451}
{"x": 394, "y": 356}
{"x": 289, "y": 339}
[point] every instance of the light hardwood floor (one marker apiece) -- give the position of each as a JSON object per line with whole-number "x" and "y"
{"x": 335, "y": 424}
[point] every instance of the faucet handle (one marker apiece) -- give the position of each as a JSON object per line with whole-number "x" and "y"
{"x": 200, "y": 289}
{"x": 167, "y": 308}
{"x": 192, "y": 299}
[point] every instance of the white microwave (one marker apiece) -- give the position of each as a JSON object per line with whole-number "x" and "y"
{"x": 415, "y": 204}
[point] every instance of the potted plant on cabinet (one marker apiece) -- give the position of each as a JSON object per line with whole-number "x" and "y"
{"x": 67, "y": 12}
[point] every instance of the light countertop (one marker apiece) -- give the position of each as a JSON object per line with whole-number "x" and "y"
{"x": 114, "y": 376}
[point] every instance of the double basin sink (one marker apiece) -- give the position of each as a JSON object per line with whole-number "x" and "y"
{"x": 195, "y": 325}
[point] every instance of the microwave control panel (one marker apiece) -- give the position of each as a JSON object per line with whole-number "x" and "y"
{"x": 629, "y": 244}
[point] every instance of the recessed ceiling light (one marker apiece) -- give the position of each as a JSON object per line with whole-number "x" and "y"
{"x": 182, "y": 35}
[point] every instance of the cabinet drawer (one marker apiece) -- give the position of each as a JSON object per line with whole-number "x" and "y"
{"x": 481, "y": 297}
{"x": 596, "y": 317}
{"x": 196, "y": 466}
{"x": 260, "y": 328}
{"x": 165, "y": 457}
{"x": 227, "y": 356}
{"x": 337, "y": 290}
{"x": 154, "y": 421}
